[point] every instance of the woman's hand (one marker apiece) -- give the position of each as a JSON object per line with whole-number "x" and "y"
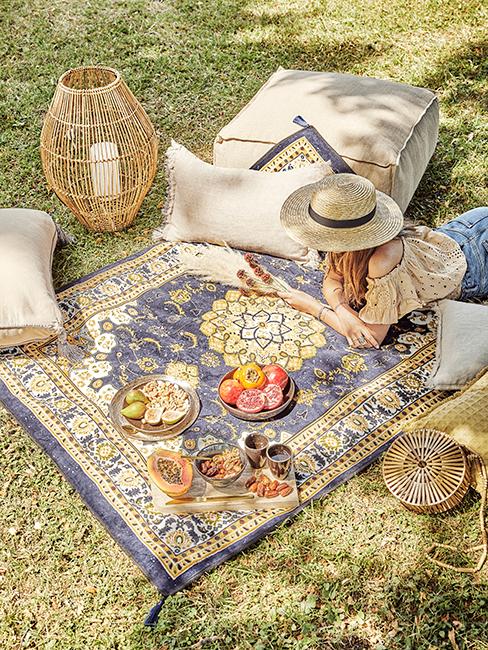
{"x": 301, "y": 301}
{"x": 357, "y": 333}
{"x": 344, "y": 320}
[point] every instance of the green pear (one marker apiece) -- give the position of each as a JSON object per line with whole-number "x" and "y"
{"x": 134, "y": 411}
{"x": 136, "y": 396}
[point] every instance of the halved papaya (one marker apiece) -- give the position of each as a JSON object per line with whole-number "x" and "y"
{"x": 171, "y": 473}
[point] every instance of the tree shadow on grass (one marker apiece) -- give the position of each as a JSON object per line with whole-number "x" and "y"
{"x": 245, "y": 53}
{"x": 460, "y": 81}
{"x": 251, "y": 51}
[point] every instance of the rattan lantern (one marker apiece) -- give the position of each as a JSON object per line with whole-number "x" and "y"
{"x": 98, "y": 148}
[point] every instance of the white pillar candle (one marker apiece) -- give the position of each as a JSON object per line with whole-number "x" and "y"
{"x": 105, "y": 169}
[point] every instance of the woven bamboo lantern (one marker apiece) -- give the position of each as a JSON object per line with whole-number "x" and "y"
{"x": 427, "y": 471}
{"x": 98, "y": 148}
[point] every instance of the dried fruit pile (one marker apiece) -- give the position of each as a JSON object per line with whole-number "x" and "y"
{"x": 223, "y": 465}
{"x": 263, "y": 486}
{"x": 253, "y": 389}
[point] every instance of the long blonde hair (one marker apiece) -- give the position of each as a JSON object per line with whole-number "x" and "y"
{"x": 352, "y": 266}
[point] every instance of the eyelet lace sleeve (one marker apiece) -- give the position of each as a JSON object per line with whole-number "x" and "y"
{"x": 432, "y": 268}
{"x": 389, "y": 298}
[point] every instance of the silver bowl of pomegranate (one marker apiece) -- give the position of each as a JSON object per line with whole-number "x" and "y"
{"x": 224, "y": 465}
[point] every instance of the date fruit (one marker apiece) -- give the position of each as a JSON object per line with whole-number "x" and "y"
{"x": 263, "y": 486}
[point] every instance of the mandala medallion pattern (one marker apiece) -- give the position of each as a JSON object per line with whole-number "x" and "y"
{"x": 245, "y": 329}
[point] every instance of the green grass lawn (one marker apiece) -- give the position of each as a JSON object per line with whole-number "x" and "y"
{"x": 349, "y": 572}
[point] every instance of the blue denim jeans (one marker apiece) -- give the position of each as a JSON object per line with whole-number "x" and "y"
{"x": 470, "y": 230}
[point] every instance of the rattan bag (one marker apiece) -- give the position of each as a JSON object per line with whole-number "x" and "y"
{"x": 464, "y": 417}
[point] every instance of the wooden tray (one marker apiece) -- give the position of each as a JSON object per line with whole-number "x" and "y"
{"x": 200, "y": 488}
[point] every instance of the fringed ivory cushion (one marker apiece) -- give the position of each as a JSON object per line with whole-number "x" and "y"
{"x": 28, "y": 308}
{"x": 238, "y": 207}
{"x": 383, "y": 130}
{"x": 462, "y": 344}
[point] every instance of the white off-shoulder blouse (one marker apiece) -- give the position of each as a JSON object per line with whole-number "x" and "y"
{"x": 432, "y": 267}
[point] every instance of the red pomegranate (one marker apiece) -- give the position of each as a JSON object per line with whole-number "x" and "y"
{"x": 251, "y": 401}
{"x": 274, "y": 396}
{"x": 229, "y": 391}
{"x": 276, "y": 375}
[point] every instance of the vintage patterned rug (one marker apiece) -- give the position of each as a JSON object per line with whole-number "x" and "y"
{"x": 141, "y": 315}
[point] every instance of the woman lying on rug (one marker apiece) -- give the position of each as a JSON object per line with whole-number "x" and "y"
{"x": 380, "y": 269}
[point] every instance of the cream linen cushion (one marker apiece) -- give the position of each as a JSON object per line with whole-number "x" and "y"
{"x": 462, "y": 344}
{"x": 385, "y": 131}
{"x": 239, "y": 207}
{"x": 28, "y": 307}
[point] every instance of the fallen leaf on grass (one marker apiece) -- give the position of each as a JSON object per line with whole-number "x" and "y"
{"x": 205, "y": 641}
{"x": 308, "y": 604}
{"x": 452, "y": 638}
{"x": 394, "y": 629}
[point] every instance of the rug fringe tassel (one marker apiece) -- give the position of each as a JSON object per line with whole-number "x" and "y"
{"x": 152, "y": 618}
{"x": 70, "y": 352}
{"x": 64, "y": 238}
{"x": 301, "y": 121}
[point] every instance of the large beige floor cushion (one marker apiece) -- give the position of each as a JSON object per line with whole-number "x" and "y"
{"x": 385, "y": 131}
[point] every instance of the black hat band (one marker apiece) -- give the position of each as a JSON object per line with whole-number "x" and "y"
{"x": 341, "y": 223}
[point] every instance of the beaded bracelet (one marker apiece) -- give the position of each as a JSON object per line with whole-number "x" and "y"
{"x": 343, "y": 302}
{"x": 322, "y": 309}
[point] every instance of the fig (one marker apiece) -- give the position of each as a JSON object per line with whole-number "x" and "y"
{"x": 135, "y": 396}
{"x": 172, "y": 417}
{"x": 134, "y": 411}
{"x": 153, "y": 415}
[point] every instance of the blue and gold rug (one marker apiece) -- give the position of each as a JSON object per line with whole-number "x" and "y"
{"x": 142, "y": 315}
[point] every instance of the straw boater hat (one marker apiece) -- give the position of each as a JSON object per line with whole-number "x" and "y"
{"x": 340, "y": 213}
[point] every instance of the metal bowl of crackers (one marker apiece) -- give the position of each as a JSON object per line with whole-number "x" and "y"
{"x": 224, "y": 466}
